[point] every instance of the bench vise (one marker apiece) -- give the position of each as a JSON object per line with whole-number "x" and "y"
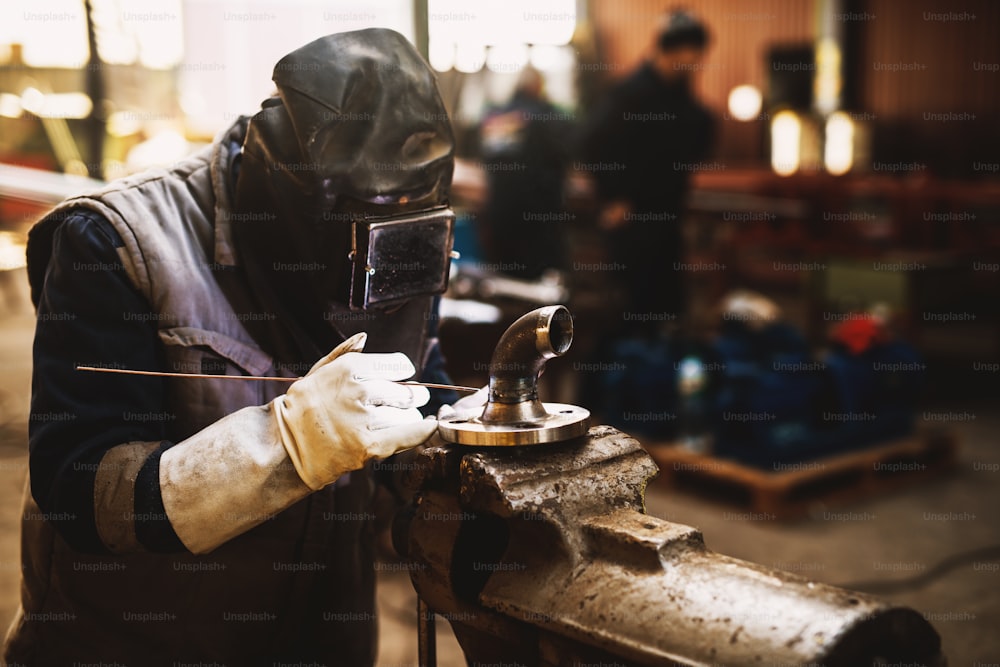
{"x": 543, "y": 555}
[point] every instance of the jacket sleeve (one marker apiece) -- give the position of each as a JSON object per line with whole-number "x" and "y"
{"x": 95, "y": 439}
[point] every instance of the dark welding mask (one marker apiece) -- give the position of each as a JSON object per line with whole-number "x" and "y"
{"x": 343, "y": 182}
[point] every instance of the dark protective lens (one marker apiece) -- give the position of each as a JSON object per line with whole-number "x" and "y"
{"x": 401, "y": 257}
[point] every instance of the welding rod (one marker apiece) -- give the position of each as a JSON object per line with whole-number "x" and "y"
{"x": 126, "y": 371}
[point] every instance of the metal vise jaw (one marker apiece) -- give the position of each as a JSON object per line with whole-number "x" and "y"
{"x": 544, "y": 556}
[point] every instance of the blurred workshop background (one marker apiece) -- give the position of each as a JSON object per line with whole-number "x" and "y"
{"x": 829, "y": 405}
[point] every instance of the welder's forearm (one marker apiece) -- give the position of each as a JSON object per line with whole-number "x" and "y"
{"x": 228, "y": 478}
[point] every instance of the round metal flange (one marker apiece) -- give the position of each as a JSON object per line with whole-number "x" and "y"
{"x": 564, "y": 422}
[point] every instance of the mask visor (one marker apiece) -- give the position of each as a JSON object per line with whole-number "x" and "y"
{"x": 400, "y": 257}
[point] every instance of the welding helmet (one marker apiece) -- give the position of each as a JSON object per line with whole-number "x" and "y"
{"x": 342, "y": 188}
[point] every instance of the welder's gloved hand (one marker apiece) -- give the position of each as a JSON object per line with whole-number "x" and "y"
{"x": 349, "y": 409}
{"x": 468, "y": 403}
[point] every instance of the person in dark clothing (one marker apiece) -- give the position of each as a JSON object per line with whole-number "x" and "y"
{"x": 641, "y": 145}
{"x": 173, "y": 519}
{"x": 525, "y": 149}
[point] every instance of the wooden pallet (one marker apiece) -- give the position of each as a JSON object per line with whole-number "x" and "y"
{"x": 792, "y": 490}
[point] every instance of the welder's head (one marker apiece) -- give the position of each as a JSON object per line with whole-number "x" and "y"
{"x": 356, "y": 131}
{"x": 679, "y": 44}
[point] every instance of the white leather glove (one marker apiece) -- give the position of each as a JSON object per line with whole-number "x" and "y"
{"x": 234, "y": 474}
{"x": 347, "y": 410}
{"x": 465, "y": 404}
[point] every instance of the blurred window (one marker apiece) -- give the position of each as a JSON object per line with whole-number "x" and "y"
{"x": 54, "y": 33}
{"x": 223, "y": 51}
{"x": 460, "y": 31}
{"x": 232, "y": 46}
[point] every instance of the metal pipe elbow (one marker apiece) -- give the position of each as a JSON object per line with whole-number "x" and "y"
{"x": 517, "y": 361}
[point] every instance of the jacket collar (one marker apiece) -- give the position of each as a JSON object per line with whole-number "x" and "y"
{"x": 226, "y": 151}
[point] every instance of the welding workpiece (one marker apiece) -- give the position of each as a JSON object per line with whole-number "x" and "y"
{"x": 513, "y": 414}
{"x": 544, "y": 556}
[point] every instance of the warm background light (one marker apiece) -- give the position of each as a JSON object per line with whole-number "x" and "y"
{"x": 838, "y": 150}
{"x": 745, "y": 102}
{"x": 786, "y": 138}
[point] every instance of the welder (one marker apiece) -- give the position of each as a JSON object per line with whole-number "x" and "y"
{"x": 176, "y": 519}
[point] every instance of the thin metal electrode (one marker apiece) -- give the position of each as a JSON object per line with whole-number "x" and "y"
{"x": 127, "y": 371}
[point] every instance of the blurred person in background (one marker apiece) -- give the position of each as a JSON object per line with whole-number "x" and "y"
{"x": 525, "y": 149}
{"x": 181, "y": 520}
{"x": 642, "y": 144}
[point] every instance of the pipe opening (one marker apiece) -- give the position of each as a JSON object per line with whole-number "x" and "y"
{"x": 560, "y": 331}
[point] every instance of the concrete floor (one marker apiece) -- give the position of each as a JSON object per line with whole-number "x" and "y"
{"x": 896, "y": 536}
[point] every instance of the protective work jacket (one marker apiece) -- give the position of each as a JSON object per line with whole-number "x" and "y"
{"x": 245, "y": 565}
